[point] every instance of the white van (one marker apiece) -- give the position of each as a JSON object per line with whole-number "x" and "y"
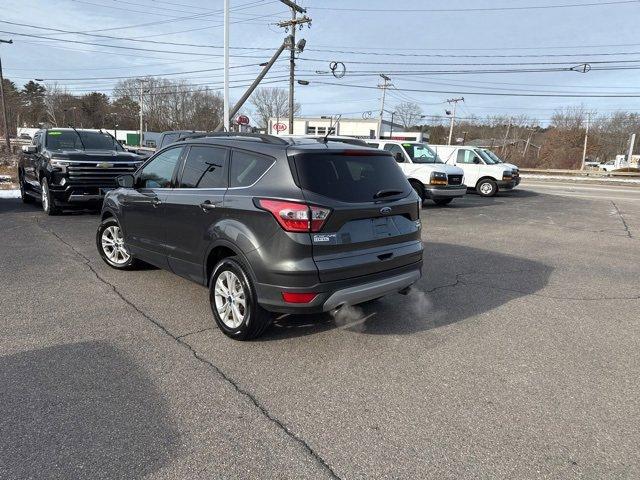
{"x": 514, "y": 168}
{"x": 481, "y": 172}
{"x": 427, "y": 173}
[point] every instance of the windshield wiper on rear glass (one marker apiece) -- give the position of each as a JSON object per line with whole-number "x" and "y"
{"x": 387, "y": 193}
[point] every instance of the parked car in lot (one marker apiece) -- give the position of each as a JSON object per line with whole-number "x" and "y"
{"x": 514, "y": 168}
{"x": 64, "y": 167}
{"x": 268, "y": 224}
{"x": 167, "y": 138}
{"x": 481, "y": 172}
{"x": 427, "y": 173}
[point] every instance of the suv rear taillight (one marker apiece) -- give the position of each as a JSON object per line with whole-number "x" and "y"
{"x": 294, "y": 216}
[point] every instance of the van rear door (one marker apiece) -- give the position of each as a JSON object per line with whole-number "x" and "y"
{"x": 374, "y": 223}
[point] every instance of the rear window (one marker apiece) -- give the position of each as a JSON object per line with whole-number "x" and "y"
{"x": 350, "y": 178}
{"x": 247, "y": 168}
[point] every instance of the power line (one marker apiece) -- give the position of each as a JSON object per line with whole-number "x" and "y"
{"x": 129, "y": 39}
{"x": 478, "y": 9}
{"x": 500, "y": 94}
{"x": 121, "y": 47}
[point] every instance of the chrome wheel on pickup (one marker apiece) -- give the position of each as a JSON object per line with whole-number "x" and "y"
{"x": 110, "y": 243}
{"x": 48, "y": 203}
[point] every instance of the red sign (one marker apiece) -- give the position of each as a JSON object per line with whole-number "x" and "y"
{"x": 242, "y": 120}
{"x": 279, "y": 127}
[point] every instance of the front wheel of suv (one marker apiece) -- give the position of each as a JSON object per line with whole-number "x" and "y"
{"x": 110, "y": 243}
{"x": 234, "y": 303}
{"x": 48, "y": 202}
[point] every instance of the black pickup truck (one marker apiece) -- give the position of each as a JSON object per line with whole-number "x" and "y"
{"x": 66, "y": 166}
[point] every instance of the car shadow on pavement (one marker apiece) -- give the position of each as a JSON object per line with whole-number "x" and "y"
{"x": 83, "y": 410}
{"x": 458, "y": 283}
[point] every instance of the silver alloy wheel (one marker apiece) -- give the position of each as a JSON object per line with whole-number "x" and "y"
{"x": 230, "y": 299}
{"x": 486, "y": 188}
{"x": 113, "y": 245}
{"x": 45, "y": 195}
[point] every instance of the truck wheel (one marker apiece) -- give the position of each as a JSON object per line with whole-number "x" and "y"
{"x": 443, "y": 201}
{"x": 419, "y": 188}
{"x": 48, "y": 203}
{"x": 26, "y": 198}
{"x": 110, "y": 243}
{"x": 234, "y": 302}
{"x": 487, "y": 187}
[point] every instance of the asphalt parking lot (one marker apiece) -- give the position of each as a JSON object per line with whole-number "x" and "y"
{"x": 517, "y": 356}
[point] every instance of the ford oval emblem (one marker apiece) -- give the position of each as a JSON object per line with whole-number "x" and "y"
{"x": 385, "y": 210}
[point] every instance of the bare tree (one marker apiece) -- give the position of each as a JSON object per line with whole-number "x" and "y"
{"x": 408, "y": 113}
{"x": 271, "y": 103}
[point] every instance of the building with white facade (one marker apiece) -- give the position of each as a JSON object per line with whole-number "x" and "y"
{"x": 350, "y": 127}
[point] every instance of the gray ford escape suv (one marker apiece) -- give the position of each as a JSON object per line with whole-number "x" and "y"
{"x": 268, "y": 224}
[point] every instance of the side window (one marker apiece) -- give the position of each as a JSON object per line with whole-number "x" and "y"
{"x": 374, "y": 145}
{"x": 205, "y": 167}
{"x": 465, "y": 156}
{"x": 395, "y": 150}
{"x": 247, "y": 168}
{"x": 159, "y": 172}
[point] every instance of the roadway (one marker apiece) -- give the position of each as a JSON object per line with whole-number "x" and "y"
{"x": 515, "y": 357}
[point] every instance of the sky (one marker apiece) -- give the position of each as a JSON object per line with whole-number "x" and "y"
{"x": 426, "y": 47}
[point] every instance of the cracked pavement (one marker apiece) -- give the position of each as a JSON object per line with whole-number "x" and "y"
{"x": 516, "y": 357}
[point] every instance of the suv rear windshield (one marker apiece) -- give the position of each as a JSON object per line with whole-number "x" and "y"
{"x": 351, "y": 178}
{"x": 70, "y": 140}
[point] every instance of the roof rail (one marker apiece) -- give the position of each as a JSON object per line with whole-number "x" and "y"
{"x": 272, "y": 139}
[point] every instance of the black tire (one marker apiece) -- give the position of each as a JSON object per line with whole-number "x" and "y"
{"x": 48, "y": 202}
{"x": 419, "y": 188}
{"x": 129, "y": 264}
{"x": 443, "y": 201}
{"x": 26, "y": 198}
{"x": 255, "y": 318}
{"x": 487, "y": 187}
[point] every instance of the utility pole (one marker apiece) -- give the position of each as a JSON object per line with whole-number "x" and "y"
{"x": 225, "y": 114}
{"x": 453, "y": 115}
{"x": 293, "y": 24}
{"x": 141, "y": 102}
{"x": 256, "y": 82}
{"x": 4, "y": 103}
{"x": 632, "y": 142}
{"x": 526, "y": 147}
{"x": 506, "y": 137}
{"x": 586, "y": 140}
{"x": 384, "y": 87}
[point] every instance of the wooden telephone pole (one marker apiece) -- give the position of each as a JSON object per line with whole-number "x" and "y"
{"x": 293, "y": 24}
{"x": 4, "y": 103}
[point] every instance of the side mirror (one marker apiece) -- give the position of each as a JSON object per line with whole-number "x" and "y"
{"x": 125, "y": 181}
{"x": 29, "y": 149}
{"x": 399, "y": 157}
{"x": 476, "y": 160}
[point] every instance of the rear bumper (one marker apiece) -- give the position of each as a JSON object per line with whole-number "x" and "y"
{"x": 446, "y": 192}
{"x": 331, "y": 295}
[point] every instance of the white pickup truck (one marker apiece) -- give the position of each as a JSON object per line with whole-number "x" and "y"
{"x": 481, "y": 172}
{"x": 430, "y": 177}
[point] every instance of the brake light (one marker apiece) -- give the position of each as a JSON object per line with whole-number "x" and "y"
{"x": 296, "y": 217}
{"x": 291, "y": 297}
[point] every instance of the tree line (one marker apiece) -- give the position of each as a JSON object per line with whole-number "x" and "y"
{"x": 178, "y": 105}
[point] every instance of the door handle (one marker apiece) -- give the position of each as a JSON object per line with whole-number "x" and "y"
{"x": 155, "y": 201}
{"x": 207, "y": 205}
